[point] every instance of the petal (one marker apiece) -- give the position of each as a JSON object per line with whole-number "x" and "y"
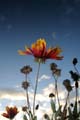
{"x": 21, "y": 52}
{"x": 38, "y": 48}
{"x": 53, "y": 53}
{"x": 7, "y": 109}
{"x": 28, "y": 50}
{"x": 5, "y": 115}
{"x": 42, "y": 42}
{"x": 59, "y": 57}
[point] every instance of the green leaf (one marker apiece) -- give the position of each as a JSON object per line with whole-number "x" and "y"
{"x": 53, "y": 106}
{"x": 35, "y": 118}
{"x": 31, "y": 115}
{"x": 25, "y": 117}
{"x": 58, "y": 112}
{"x": 75, "y": 109}
{"x": 70, "y": 114}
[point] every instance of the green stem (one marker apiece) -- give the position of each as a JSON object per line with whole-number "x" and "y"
{"x": 76, "y": 92}
{"x": 27, "y": 96}
{"x": 76, "y": 69}
{"x": 56, "y": 90}
{"x": 67, "y": 99}
{"x": 35, "y": 90}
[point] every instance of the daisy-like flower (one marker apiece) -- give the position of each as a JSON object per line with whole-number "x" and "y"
{"x": 11, "y": 112}
{"x": 51, "y": 95}
{"x": 40, "y": 52}
{"x": 25, "y": 84}
{"x": 26, "y": 69}
{"x": 67, "y": 85}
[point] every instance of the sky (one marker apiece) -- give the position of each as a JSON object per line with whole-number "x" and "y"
{"x": 22, "y": 22}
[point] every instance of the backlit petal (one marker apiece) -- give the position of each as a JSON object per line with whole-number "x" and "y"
{"x": 21, "y": 52}
{"x": 28, "y": 50}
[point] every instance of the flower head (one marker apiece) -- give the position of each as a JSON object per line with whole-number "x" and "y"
{"x": 75, "y": 61}
{"x": 67, "y": 85}
{"x": 26, "y": 69}
{"x": 40, "y": 52}
{"x": 75, "y": 76}
{"x": 24, "y": 108}
{"x": 51, "y": 95}
{"x": 11, "y": 112}
{"x": 25, "y": 84}
{"x": 53, "y": 66}
{"x": 55, "y": 70}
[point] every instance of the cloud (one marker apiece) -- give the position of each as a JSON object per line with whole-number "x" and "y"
{"x": 44, "y": 77}
{"x": 3, "y": 118}
{"x": 41, "y": 98}
{"x": 49, "y": 89}
{"x": 12, "y": 94}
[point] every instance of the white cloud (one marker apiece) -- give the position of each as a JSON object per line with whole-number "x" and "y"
{"x": 3, "y": 118}
{"x": 41, "y": 98}
{"x": 49, "y": 89}
{"x": 11, "y": 94}
{"x": 44, "y": 77}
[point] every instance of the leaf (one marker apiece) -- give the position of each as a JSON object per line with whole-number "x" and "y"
{"x": 75, "y": 109}
{"x": 70, "y": 114}
{"x": 25, "y": 117}
{"x": 53, "y": 106}
{"x": 35, "y": 118}
{"x": 30, "y": 113}
{"x": 58, "y": 112}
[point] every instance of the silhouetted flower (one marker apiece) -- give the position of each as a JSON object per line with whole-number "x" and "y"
{"x": 67, "y": 85}
{"x": 11, "y": 112}
{"x": 57, "y": 72}
{"x": 24, "y": 108}
{"x": 75, "y": 61}
{"x": 51, "y": 95}
{"x": 46, "y": 116}
{"x": 26, "y": 69}
{"x": 25, "y": 84}
{"x": 74, "y": 76}
{"x": 40, "y": 53}
{"x": 53, "y": 66}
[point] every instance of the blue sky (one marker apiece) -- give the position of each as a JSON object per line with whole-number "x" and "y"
{"x": 22, "y": 23}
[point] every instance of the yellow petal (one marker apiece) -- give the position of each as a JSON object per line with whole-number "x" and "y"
{"x": 42, "y": 42}
{"x": 28, "y": 50}
{"x": 21, "y": 52}
{"x": 58, "y": 50}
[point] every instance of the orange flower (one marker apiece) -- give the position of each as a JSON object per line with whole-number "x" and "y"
{"x": 11, "y": 112}
{"x": 40, "y": 52}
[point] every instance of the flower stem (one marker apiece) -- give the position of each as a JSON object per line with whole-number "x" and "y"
{"x": 67, "y": 99}
{"x": 35, "y": 90}
{"x": 76, "y": 69}
{"x": 27, "y": 96}
{"x": 76, "y": 88}
{"x": 56, "y": 90}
